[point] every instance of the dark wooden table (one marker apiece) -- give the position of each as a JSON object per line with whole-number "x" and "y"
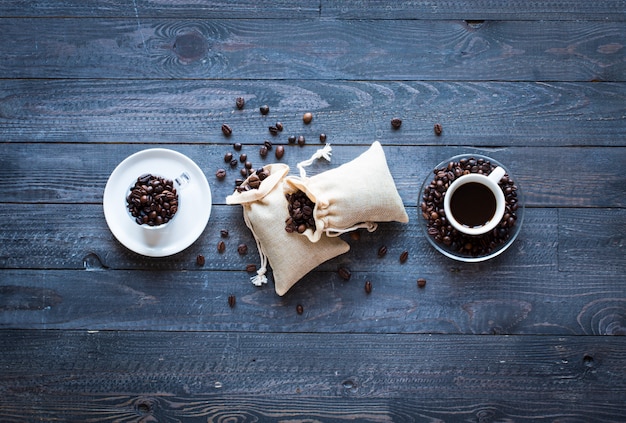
{"x": 91, "y": 331}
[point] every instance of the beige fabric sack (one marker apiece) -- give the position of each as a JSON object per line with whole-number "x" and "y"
{"x": 354, "y": 195}
{"x": 290, "y": 255}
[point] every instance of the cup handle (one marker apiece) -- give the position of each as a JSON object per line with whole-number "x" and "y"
{"x": 182, "y": 180}
{"x": 497, "y": 174}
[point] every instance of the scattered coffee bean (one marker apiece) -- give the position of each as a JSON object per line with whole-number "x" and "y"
{"x": 224, "y": 233}
{"x": 301, "y": 140}
{"x": 368, "y": 287}
{"x": 307, "y": 118}
{"x": 233, "y": 163}
{"x": 244, "y": 172}
{"x": 300, "y": 209}
{"x": 265, "y": 109}
{"x": 227, "y": 130}
{"x": 232, "y": 301}
{"x": 431, "y": 208}
{"x": 396, "y": 123}
{"x": 421, "y": 282}
{"x": 200, "y": 260}
{"x": 273, "y": 130}
{"x": 221, "y": 247}
{"x": 263, "y": 151}
{"x": 220, "y": 174}
{"x": 238, "y": 182}
{"x": 248, "y": 165}
{"x": 299, "y": 309}
{"x": 279, "y": 126}
{"x": 242, "y": 249}
{"x": 267, "y": 144}
{"x": 438, "y": 129}
{"x": 382, "y": 251}
{"x": 152, "y": 200}
{"x": 344, "y": 273}
{"x": 237, "y": 146}
{"x": 280, "y": 152}
{"x": 322, "y": 138}
{"x": 228, "y": 157}
{"x": 355, "y": 235}
{"x": 243, "y": 157}
{"x": 251, "y": 268}
{"x": 404, "y": 256}
{"x": 291, "y": 139}
{"x": 240, "y": 102}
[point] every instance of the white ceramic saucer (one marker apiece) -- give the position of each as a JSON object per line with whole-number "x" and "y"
{"x": 190, "y": 219}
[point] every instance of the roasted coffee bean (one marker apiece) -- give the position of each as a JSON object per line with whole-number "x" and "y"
{"x": 280, "y": 152}
{"x": 232, "y": 301}
{"x": 265, "y": 109}
{"x": 322, "y": 138}
{"x": 396, "y": 123}
{"x": 299, "y": 309}
{"x": 273, "y": 130}
{"x": 248, "y": 165}
{"x": 224, "y": 233}
{"x": 438, "y": 129}
{"x": 344, "y": 273}
{"x": 240, "y": 102}
{"x": 421, "y": 282}
{"x": 220, "y": 174}
{"x": 279, "y": 126}
{"x": 243, "y": 157}
{"x": 263, "y": 151}
{"x": 254, "y": 182}
{"x": 355, "y": 235}
{"x": 152, "y": 200}
{"x": 307, "y": 118}
{"x": 267, "y": 144}
{"x": 243, "y": 172}
{"x": 301, "y": 140}
{"x": 251, "y": 268}
{"x": 228, "y": 157}
{"x": 227, "y": 130}
{"x": 200, "y": 260}
{"x": 368, "y": 287}
{"x": 221, "y": 247}
{"x": 382, "y": 251}
{"x": 242, "y": 249}
{"x": 234, "y": 163}
{"x": 291, "y": 139}
{"x": 238, "y": 182}
{"x": 404, "y": 256}
{"x": 237, "y": 146}
{"x": 300, "y": 209}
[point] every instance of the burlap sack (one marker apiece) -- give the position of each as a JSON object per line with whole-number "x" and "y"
{"x": 290, "y": 255}
{"x": 356, "y": 194}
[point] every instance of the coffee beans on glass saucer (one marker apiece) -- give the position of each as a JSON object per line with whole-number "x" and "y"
{"x": 443, "y": 236}
{"x": 152, "y": 200}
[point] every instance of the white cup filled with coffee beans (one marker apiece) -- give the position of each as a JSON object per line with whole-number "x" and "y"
{"x": 152, "y": 201}
{"x": 474, "y": 204}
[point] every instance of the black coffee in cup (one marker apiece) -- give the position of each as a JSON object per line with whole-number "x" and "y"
{"x": 473, "y": 204}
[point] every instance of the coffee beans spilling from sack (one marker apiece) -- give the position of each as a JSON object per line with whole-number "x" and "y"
{"x": 153, "y": 200}
{"x": 254, "y": 180}
{"x": 300, "y": 213}
{"x": 443, "y": 232}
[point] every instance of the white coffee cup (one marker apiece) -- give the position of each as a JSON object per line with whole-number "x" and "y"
{"x": 474, "y": 203}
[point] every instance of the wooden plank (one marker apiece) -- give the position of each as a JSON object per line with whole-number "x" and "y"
{"x": 214, "y": 376}
{"x": 139, "y": 9}
{"x": 75, "y": 173}
{"x": 319, "y": 49}
{"x": 468, "y": 9}
{"x": 192, "y": 111}
{"x": 47, "y": 238}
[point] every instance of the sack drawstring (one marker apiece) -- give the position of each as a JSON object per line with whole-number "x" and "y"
{"x": 370, "y": 226}
{"x": 324, "y": 153}
{"x": 260, "y": 278}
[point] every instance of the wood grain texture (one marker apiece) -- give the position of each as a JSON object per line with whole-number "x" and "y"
{"x": 78, "y": 173}
{"x": 490, "y": 114}
{"x": 170, "y": 376}
{"x": 320, "y": 49}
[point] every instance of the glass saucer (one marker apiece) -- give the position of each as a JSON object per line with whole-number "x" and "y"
{"x": 467, "y": 248}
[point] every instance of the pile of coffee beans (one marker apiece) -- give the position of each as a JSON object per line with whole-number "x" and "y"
{"x": 254, "y": 180}
{"x": 153, "y": 200}
{"x": 442, "y": 231}
{"x": 300, "y": 213}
